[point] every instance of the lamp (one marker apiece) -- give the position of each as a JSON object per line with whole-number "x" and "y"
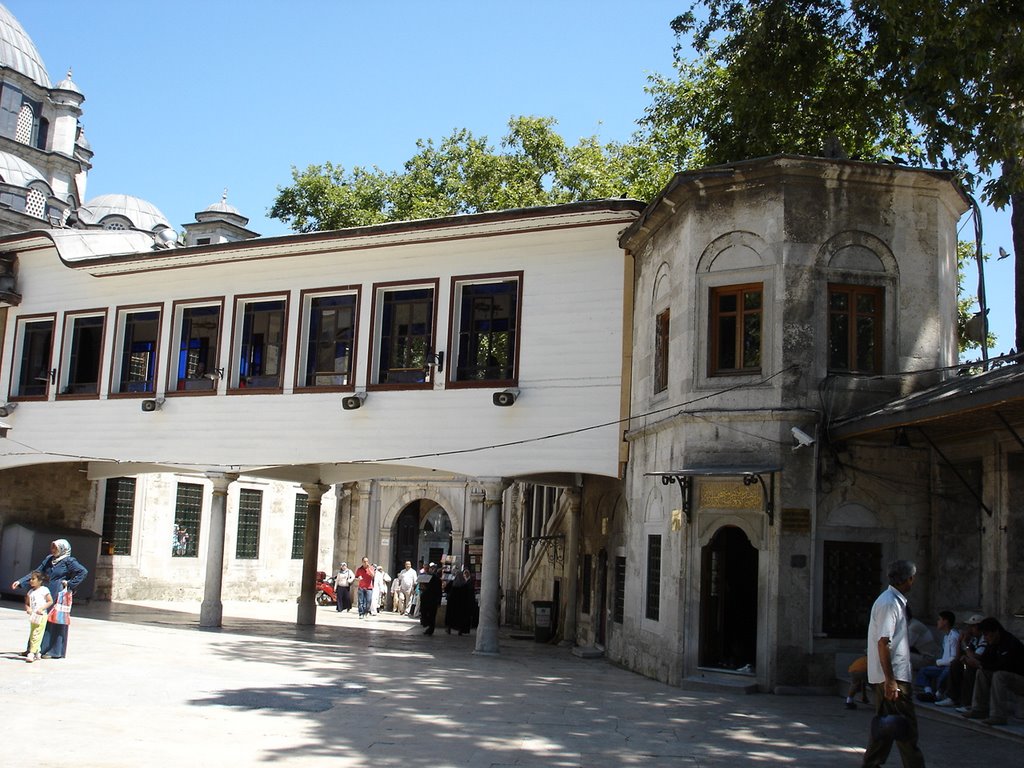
{"x": 6, "y": 408}
{"x": 436, "y": 359}
{"x": 354, "y": 401}
{"x": 148, "y": 406}
{"x": 505, "y": 398}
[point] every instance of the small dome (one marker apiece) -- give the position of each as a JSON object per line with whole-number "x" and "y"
{"x": 18, "y": 172}
{"x": 81, "y": 141}
{"x": 18, "y": 52}
{"x": 67, "y": 84}
{"x": 142, "y": 214}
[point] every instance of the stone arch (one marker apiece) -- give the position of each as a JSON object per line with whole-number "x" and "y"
{"x": 753, "y": 527}
{"x": 431, "y": 494}
{"x": 662, "y": 286}
{"x": 654, "y": 510}
{"x": 734, "y": 250}
{"x": 857, "y": 251}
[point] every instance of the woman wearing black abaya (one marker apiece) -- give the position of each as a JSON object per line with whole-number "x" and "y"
{"x": 461, "y": 602}
{"x": 430, "y": 598}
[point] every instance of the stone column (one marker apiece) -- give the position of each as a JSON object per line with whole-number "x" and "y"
{"x": 490, "y": 588}
{"x": 572, "y": 497}
{"x": 306, "y": 616}
{"x": 212, "y": 609}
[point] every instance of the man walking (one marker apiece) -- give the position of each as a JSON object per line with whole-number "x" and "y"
{"x": 889, "y": 669}
{"x": 364, "y": 576}
{"x": 403, "y": 587}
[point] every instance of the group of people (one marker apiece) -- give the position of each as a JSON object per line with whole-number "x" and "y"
{"x": 48, "y": 600}
{"x": 413, "y": 592}
{"x": 973, "y": 670}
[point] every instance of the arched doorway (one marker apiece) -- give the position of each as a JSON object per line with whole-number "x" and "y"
{"x": 422, "y": 531}
{"x": 728, "y": 602}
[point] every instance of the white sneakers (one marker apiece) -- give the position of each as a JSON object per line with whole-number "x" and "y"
{"x": 946, "y": 702}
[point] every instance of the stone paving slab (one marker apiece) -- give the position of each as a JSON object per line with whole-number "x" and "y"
{"x": 145, "y": 686}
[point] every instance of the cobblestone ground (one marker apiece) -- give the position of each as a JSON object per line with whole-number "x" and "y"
{"x": 144, "y": 686}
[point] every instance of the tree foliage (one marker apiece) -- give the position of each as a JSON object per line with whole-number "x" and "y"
{"x": 463, "y": 173}
{"x": 773, "y": 76}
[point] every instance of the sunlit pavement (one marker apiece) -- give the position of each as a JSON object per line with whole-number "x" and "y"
{"x": 144, "y": 686}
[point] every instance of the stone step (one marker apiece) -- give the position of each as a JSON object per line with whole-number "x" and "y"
{"x": 720, "y": 682}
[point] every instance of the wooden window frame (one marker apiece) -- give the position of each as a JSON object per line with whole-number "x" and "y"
{"x": 373, "y": 372}
{"x": 662, "y": 326}
{"x": 852, "y": 314}
{"x": 306, "y": 301}
{"x": 714, "y": 314}
{"x": 70, "y": 341}
{"x": 121, "y": 316}
{"x": 207, "y": 384}
{"x": 249, "y": 383}
{"x": 458, "y": 329}
{"x": 18, "y": 359}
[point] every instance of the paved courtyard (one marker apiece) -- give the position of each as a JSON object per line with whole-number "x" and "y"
{"x": 143, "y": 685}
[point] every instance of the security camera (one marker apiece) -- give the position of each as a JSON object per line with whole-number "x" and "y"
{"x": 505, "y": 398}
{"x": 801, "y": 439}
{"x": 148, "y": 406}
{"x": 6, "y": 408}
{"x": 353, "y": 401}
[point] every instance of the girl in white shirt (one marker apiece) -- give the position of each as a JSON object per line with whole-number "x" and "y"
{"x": 37, "y": 606}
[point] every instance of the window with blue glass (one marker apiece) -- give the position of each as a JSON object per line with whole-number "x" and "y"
{"x": 197, "y": 340}
{"x": 260, "y": 352}
{"x": 136, "y": 365}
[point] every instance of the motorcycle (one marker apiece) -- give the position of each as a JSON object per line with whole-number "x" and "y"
{"x": 325, "y": 594}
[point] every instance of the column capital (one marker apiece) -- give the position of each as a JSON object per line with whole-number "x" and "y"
{"x": 315, "y": 491}
{"x": 221, "y": 480}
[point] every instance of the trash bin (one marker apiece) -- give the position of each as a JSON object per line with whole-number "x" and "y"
{"x": 542, "y": 625}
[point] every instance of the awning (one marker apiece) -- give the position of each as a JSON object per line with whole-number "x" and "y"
{"x": 750, "y": 473}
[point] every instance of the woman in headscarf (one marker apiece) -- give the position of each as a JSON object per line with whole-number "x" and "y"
{"x": 63, "y": 571}
{"x": 461, "y": 602}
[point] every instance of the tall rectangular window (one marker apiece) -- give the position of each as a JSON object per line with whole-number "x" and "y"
{"x": 119, "y": 515}
{"x": 138, "y": 334}
{"x": 197, "y": 341}
{"x": 299, "y": 526}
{"x": 661, "y": 329}
{"x": 83, "y": 353}
{"x": 250, "y": 505}
{"x": 260, "y": 343}
{"x": 329, "y": 332}
{"x": 486, "y": 316}
{"x": 855, "y": 326}
{"x": 35, "y": 337}
{"x": 735, "y": 327}
{"x": 405, "y": 336}
{"x": 619, "y": 604}
{"x": 586, "y": 584}
{"x": 188, "y": 515}
{"x": 652, "y": 600}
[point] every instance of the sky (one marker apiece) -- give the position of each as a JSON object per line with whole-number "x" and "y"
{"x": 185, "y": 98}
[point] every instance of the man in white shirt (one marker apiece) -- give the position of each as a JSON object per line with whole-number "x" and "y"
{"x": 890, "y": 672}
{"x": 933, "y": 677}
{"x": 406, "y": 584}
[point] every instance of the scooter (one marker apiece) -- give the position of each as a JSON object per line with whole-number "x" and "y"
{"x": 325, "y": 594}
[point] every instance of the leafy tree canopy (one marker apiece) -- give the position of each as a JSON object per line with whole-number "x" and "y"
{"x": 464, "y": 173}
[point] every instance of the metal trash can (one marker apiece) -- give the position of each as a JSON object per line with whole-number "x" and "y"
{"x": 543, "y": 627}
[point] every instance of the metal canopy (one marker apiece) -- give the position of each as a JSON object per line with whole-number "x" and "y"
{"x": 750, "y": 474}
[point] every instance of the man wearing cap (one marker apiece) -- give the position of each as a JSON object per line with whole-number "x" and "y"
{"x": 1002, "y": 670}
{"x": 965, "y": 666}
{"x": 889, "y": 670}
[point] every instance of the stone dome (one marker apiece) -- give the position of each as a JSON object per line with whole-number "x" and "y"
{"x": 18, "y": 172}
{"x": 141, "y": 213}
{"x": 18, "y": 52}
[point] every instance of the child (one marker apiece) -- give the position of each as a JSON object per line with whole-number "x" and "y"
{"x": 37, "y": 606}
{"x": 858, "y": 682}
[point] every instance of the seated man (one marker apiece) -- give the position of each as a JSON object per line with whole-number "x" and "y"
{"x": 965, "y": 666}
{"x": 1002, "y": 670}
{"x": 933, "y": 676}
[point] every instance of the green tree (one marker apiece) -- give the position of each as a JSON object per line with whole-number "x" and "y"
{"x": 466, "y": 174}
{"x": 965, "y": 303}
{"x": 773, "y": 76}
{"x": 958, "y": 65}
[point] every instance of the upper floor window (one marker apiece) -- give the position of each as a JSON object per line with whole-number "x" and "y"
{"x": 82, "y": 354}
{"x": 404, "y": 321}
{"x": 259, "y": 343}
{"x": 33, "y": 351}
{"x": 138, "y": 332}
{"x": 196, "y": 338}
{"x": 855, "y": 325}
{"x": 328, "y": 337}
{"x": 486, "y": 320}
{"x": 661, "y": 329}
{"x": 736, "y": 315}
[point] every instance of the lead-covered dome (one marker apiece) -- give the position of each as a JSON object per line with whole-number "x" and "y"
{"x": 122, "y": 212}
{"x": 18, "y": 52}
{"x": 18, "y": 172}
